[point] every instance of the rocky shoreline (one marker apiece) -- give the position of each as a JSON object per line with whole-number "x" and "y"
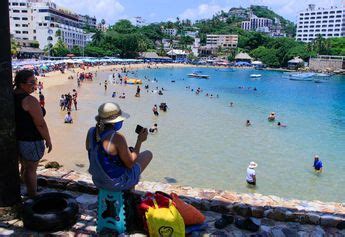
{"x": 328, "y": 214}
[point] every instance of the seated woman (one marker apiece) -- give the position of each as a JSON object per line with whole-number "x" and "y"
{"x": 112, "y": 165}
{"x": 68, "y": 118}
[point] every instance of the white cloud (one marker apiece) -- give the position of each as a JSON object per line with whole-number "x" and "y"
{"x": 290, "y": 8}
{"x": 202, "y": 11}
{"x": 110, "y": 10}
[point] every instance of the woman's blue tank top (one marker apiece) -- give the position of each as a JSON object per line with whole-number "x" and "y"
{"x": 112, "y": 165}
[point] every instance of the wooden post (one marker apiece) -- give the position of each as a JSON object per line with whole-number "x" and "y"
{"x": 9, "y": 174}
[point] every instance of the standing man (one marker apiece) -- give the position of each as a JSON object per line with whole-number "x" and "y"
{"x": 138, "y": 91}
{"x": 74, "y": 98}
{"x": 155, "y": 110}
{"x": 251, "y": 176}
{"x": 317, "y": 164}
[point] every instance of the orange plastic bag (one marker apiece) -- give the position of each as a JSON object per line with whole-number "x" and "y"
{"x": 190, "y": 214}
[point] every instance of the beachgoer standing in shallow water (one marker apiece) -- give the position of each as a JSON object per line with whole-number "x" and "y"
{"x": 138, "y": 92}
{"x": 105, "y": 85}
{"x": 62, "y": 101}
{"x": 251, "y": 175}
{"x": 31, "y": 129}
{"x": 112, "y": 165}
{"x": 248, "y": 123}
{"x": 317, "y": 164}
{"x": 42, "y": 101}
{"x": 74, "y": 97}
{"x": 155, "y": 110}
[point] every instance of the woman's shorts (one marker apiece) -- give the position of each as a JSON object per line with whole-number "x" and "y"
{"x": 31, "y": 150}
{"x": 131, "y": 177}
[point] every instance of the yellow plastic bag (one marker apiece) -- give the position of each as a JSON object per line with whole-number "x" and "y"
{"x": 165, "y": 222}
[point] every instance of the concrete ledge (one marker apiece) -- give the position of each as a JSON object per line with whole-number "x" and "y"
{"x": 247, "y": 205}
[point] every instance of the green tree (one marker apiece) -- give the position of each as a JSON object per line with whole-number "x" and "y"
{"x": 321, "y": 45}
{"x": 337, "y": 46}
{"x": 97, "y": 37}
{"x": 232, "y": 54}
{"x": 76, "y": 50}
{"x": 35, "y": 44}
{"x": 300, "y": 51}
{"x": 267, "y": 56}
{"x": 123, "y": 27}
{"x": 95, "y": 51}
{"x": 58, "y": 33}
{"x": 14, "y": 47}
{"x": 59, "y": 49}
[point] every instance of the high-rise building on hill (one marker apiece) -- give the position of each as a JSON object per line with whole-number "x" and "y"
{"x": 327, "y": 22}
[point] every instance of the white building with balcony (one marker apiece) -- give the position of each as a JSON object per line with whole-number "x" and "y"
{"x": 327, "y": 22}
{"x": 45, "y": 22}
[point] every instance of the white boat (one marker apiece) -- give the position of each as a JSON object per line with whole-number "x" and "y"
{"x": 320, "y": 80}
{"x": 197, "y": 75}
{"x": 299, "y": 76}
{"x": 323, "y": 74}
{"x": 255, "y": 75}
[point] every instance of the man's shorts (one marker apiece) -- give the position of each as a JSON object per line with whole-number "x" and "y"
{"x": 31, "y": 150}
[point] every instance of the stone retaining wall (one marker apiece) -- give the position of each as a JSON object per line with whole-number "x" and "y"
{"x": 256, "y": 205}
{"x": 318, "y": 64}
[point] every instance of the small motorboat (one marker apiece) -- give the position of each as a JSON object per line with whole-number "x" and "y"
{"x": 323, "y": 74}
{"x": 197, "y": 75}
{"x": 299, "y": 76}
{"x": 320, "y": 80}
{"x": 255, "y": 75}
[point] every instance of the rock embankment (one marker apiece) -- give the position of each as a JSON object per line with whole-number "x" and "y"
{"x": 247, "y": 205}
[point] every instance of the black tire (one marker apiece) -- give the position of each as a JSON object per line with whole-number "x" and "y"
{"x": 50, "y": 212}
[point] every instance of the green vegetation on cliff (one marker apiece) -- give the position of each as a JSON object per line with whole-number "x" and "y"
{"x": 288, "y": 27}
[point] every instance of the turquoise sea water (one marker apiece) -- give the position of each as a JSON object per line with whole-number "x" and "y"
{"x": 203, "y": 142}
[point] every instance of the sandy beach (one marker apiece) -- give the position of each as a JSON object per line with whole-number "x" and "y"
{"x": 68, "y": 139}
{"x": 56, "y": 78}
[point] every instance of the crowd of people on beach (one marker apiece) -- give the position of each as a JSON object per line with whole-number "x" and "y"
{"x": 33, "y": 134}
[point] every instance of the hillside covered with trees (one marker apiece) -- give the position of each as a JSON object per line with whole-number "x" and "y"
{"x": 125, "y": 40}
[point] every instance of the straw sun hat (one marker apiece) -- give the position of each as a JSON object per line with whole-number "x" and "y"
{"x": 110, "y": 113}
{"x": 252, "y": 165}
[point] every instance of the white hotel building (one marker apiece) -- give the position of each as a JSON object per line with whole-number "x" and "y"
{"x": 320, "y": 21}
{"x": 40, "y": 20}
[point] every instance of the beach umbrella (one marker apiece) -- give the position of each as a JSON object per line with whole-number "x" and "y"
{"x": 28, "y": 66}
{"x": 44, "y": 67}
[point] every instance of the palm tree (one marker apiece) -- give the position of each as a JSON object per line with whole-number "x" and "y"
{"x": 318, "y": 44}
{"x": 97, "y": 37}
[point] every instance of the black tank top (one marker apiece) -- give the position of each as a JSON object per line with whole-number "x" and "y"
{"x": 25, "y": 128}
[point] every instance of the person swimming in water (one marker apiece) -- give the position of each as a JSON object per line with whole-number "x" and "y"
{"x": 248, "y": 123}
{"x": 279, "y": 124}
{"x": 272, "y": 117}
{"x": 154, "y": 129}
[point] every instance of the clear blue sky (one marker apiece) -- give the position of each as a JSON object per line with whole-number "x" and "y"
{"x": 163, "y": 10}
